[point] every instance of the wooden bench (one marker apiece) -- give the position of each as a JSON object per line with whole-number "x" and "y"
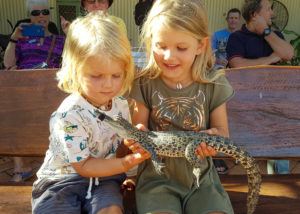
{"x": 263, "y": 116}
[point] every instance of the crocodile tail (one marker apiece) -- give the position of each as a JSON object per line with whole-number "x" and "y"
{"x": 226, "y": 146}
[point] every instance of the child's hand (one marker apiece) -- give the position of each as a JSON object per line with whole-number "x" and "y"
{"x": 138, "y": 156}
{"x": 203, "y": 150}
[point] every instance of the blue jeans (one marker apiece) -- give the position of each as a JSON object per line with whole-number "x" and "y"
{"x": 278, "y": 167}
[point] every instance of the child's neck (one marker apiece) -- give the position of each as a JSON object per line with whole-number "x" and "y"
{"x": 177, "y": 84}
{"x": 104, "y": 107}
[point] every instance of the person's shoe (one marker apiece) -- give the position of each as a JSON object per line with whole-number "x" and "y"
{"x": 221, "y": 166}
{"x": 21, "y": 176}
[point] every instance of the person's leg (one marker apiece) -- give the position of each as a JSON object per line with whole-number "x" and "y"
{"x": 106, "y": 197}
{"x": 220, "y": 166}
{"x": 22, "y": 171}
{"x": 281, "y": 167}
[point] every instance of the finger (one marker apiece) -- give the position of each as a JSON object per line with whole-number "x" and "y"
{"x": 128, "y": 142}
{"x": 212, "y": 151}
{"x": 141, "y": 127}
{"x": 62, "y": 19}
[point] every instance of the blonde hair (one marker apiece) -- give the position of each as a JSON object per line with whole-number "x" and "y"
{"x": 187, "y": 16}
{"x": 94, "y": 34}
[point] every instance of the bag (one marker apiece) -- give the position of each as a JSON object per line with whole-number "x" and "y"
{"x": 46, "y": 64}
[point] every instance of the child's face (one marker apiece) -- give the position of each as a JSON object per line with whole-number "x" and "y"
{"x": 174, "y": 52}
{"x": 101, "y": 79}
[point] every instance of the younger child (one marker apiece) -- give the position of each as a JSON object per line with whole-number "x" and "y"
{"x": 177, "y": 90}
{"x": 97, "y": 68}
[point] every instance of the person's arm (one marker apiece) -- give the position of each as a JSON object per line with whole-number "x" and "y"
{"x": 10, "y": 52}
{"x": 100, "y": 167}
{"x": 140, "y": 115}
{"x": 282, "y": 48}
{"x": 218, "y": 126}
{"x": 236, "y": 62}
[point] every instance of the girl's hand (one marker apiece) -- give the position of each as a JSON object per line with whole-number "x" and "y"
{"x": 17, "y": 34}
{"x": 203, "y": 150}
{"x": 138, "y": 156}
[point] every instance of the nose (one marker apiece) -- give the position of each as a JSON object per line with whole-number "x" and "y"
{"x": 168, "y": 54}
{"x": 108, "y": 82}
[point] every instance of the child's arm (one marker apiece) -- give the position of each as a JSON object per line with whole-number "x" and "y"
{"x": 219, "y": 126}
{"x": 140, "y": 115}
{"x": 100, "y": 167}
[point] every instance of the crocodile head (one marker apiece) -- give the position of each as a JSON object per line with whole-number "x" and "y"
{"x": 120, "y": 125}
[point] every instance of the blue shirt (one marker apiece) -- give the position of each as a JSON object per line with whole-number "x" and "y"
{"x": 249, "y": 45}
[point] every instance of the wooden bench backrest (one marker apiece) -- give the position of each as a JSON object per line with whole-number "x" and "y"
{"x": 264, "y": 114}
{"x": 27, "y": 99}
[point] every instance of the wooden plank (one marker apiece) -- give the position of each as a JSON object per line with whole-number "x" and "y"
{"x": 264, "y": 114}
{"x": 280, "y": 194}
{"x": 27, "y": 99}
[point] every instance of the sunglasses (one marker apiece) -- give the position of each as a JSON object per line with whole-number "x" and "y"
{"x": 45, "y": 12}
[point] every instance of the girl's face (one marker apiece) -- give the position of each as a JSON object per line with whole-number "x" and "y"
{"x": 101, "y": 79}
{"x": 174, "y": 52}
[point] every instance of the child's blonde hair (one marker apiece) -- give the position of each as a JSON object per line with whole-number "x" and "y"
{"x": 187, "y": 16}
{"x": 92, "y": 35}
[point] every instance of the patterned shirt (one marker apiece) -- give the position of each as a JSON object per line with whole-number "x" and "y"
{"x": 31, "y": 52}
{"x": 76, "y": 134}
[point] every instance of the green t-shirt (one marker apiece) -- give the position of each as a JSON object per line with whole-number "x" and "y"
{"x": 177, "y": 109}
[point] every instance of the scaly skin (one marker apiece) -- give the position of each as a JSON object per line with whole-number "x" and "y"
{"x": 183, "y": 144}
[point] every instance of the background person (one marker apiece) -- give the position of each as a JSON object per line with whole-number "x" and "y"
{"x": 95, "y": 5}
{"x": 220, "y": 37}
{"x": 31, "y": 52}
{"x": 256, "y": 43}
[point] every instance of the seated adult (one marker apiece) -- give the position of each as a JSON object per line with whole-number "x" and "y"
{"x": 220, "y": 37}
{"x": 94, "y": 5}
{"x": 256, "y": 43}
{"x": 29, "y": 52}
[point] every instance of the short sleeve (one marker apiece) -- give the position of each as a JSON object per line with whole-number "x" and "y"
{"x": 141, "y": 91}
{"x": 73, "y": 137}
{"x": 235, "y": 46}
{"x": 221, "y": 92}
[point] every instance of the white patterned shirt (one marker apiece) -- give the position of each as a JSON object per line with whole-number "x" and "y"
{"x": 76, "y": 134}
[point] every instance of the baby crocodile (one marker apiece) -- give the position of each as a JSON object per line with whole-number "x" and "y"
{"x": 183, "y": 144}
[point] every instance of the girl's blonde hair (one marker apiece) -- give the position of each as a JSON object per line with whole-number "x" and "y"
{"x": 188, "y": 16}
{"x": 92, "y": 35}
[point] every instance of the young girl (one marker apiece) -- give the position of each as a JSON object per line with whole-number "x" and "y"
{"x": 177, "y": 90}
{"x": 97, "y": 68}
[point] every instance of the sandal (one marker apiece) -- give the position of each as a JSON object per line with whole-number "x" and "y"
{"x": 221, "y": 166}
{"x": 21, "y": 176}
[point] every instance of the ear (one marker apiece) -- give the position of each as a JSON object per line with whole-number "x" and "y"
{"x": 202, "y": 45}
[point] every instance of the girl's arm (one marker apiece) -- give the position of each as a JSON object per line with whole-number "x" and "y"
{"x": 140, "y": 115}
{"x": 219, "y": 126}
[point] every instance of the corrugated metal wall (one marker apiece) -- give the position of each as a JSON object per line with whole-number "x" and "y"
{"x": 217, "y": 9}
{"x": 124, "y": 9}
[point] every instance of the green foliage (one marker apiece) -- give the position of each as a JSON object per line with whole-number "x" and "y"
{"x": 296, "y": 44}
